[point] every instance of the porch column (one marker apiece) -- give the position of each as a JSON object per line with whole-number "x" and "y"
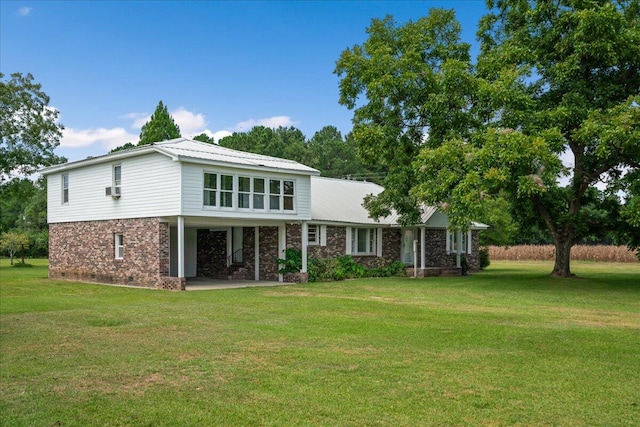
{"x": 305, "y": 243}
{"x": 256, "y": 252}
{"x": 180, "y": 246}
{"x": 282, "y": 246}
{"x": 458, "y": 245}
{"x": 229, "y": 246}
{"x": 423, "y": 242}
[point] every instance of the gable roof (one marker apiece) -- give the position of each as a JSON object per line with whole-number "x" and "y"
{"x": 187, "y": 150}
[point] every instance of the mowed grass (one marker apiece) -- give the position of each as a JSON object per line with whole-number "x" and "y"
{"x": 509, "y": 346}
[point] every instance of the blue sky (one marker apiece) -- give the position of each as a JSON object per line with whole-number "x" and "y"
{"x": 219, "y": 66}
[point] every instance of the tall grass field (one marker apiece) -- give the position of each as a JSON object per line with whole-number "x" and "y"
{"x": 595, "y": 253}
{"x": 507, "y": 346}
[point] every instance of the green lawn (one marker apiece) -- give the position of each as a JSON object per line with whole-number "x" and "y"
{"x": 509, "y": 346}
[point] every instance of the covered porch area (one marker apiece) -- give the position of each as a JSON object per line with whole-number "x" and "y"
{"x": 209, "y": 251}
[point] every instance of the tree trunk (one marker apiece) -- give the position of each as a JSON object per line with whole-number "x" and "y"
{"x": 561, "y": 267}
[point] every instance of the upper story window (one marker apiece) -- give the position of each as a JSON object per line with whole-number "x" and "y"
{"x": 65, "y": 188}
{"x": 363, "y": 241}
{"x": 281, "y": 195}
{"x": 117, "y": 175}
{"x": 248, "y": 193}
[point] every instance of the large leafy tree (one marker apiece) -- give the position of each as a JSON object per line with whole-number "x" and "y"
{"x": 28, "y": 127}
{"x": 415, "y": 79}
{"x": 554, "y": 80}
{"x": 160, "y": 127}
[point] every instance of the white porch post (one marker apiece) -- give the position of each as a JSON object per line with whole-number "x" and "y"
{"x": 282, "y": 246}
{"x": 423, "y": 242}
{"x": 229, "y": 245}
{"x": 256, "y": 252}
{"x": 305, "y": 244}
{"x": 180, "y": 246}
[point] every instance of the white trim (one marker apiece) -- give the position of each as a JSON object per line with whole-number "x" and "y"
{"x": 469, "y": 241}
{"x": 180, "y": 246}
{"x": 305, "y": 231}
{"x": 423, "y": 249}
{"x": 323, "y": 235}
{"x": 378, "y": 242}
{"x": 282, "y": 246}
{"x": 448, "y": 241}
{"x": 348, "y": 239}
{"x": 256, "y": 252}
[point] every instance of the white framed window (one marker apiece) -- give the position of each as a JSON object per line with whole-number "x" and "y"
{"x": 210, "y": 189}
{"x": 313, "y": 234}
{"x": 118, "y": 245}
{"x": 281, "y": 195}
{"x": 117, "y": 175}
{"x": 458, "y": 242}
{"x": 65, "y": 188}
{"x": 243, "y": 192}
{"x": 258, "y": 193}
{"x": 226, "y": 191}
{"x": 363, "y": 241}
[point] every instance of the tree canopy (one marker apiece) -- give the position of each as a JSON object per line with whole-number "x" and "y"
{"x": 28, "y": 127}
{"x": 160, "y": 127}
{"x": 554, "y": 81}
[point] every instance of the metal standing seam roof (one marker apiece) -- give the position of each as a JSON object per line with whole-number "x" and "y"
{"x": 340, "y": 200}
{"x": 195, "y": 151}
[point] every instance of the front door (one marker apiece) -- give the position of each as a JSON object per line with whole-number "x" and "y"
{"x": 408, "y": 236}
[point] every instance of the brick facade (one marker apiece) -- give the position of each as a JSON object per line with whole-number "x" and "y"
{"x": 86, "y": 251}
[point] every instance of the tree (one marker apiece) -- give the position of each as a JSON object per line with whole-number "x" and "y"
{"x": 334, "y": 156}
{"x": 203, "y": 137}
{"x": 12, "y": 242}
{"x": 28, "y": 127}
{"x": 160, "y": 127}
{"x": 415, "y": 79}
{"x": 126, "y": 146}
{"x": 553, "y": 78}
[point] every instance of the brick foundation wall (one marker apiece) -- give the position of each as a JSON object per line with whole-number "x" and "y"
{"x": 85, "y": 251}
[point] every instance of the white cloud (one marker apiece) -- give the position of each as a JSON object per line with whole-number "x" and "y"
{"x": 190, "y": 124}
{"x": 106, "y": 138}
{"x": 24, "y": 11}
{"x": 271, "y": 122}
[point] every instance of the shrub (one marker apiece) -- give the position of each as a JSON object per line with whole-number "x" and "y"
{"x": 483, "y": 255}
{"x": 292, "y": 263}
{"x": 345, "y": 267}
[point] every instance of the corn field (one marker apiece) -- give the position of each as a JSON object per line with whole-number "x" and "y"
{"x": 596, "y": 253}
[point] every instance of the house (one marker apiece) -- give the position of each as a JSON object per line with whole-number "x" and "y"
{"x": 156, "y": 215}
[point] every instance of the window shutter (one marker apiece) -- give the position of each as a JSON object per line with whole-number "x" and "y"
{"x": 323, "y": 235}
{"x": 448, "y": 242}
{"x": 469, "y": 241}
{"x": 379, "y": 242}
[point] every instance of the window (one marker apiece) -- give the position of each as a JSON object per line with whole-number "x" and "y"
{"x": 258, "y": 193}
{"x": 226, "y": 191}
{"x": 65, "y": 188}
{"x": 458, "y": 242}
{"x": 274, "y": 194}
{"x": 119, "y": 245}
{"x": 117, "y": 175}
{"x": 313, "y": 234}
{"x": 281, "y": 195}
{"x": 210, "y": 187}
{"x": 248, "y": 193}
{"x": 363, "y": 241}
{"x": 244, "y": 192}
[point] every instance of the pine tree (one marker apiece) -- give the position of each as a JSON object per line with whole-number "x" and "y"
{"x": 160, "y": 127}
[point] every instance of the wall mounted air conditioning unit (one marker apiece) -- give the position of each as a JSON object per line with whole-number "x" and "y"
{"x": 113, "y": 192}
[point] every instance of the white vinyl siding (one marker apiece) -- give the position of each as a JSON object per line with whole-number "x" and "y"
{"x": 152, "y": 188}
